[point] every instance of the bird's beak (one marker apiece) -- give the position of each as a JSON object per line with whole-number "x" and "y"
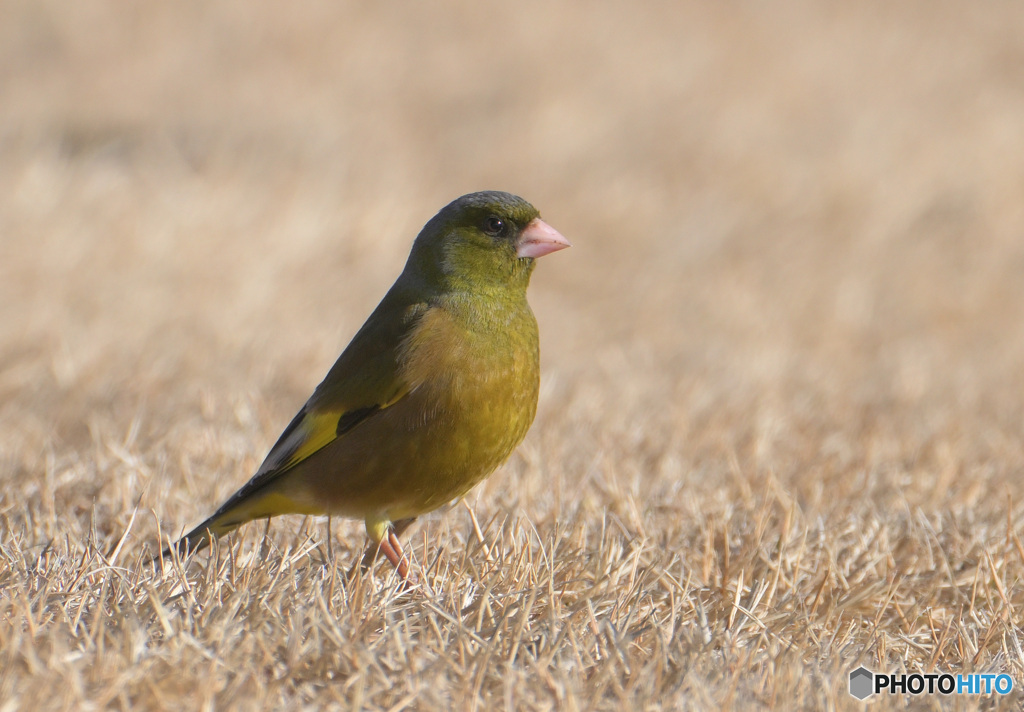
{"x": 538, "y": 239}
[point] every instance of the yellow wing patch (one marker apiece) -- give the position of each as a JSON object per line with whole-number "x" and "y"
{"x": 318, "y": 429}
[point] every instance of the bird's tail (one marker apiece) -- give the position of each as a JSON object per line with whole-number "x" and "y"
{"x": 199, "y": 538}
{"x": 244, "y": 506}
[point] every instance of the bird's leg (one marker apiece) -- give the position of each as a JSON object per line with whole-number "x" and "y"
{"x": 392, "y": 548}
{"x": 330, "y": 542}
{"x": 384, "y": 540}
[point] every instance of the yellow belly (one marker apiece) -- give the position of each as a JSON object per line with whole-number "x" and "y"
{"x": 471, "y": 405}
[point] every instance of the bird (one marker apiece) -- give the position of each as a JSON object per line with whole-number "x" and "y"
{"x": 433, "y": 393}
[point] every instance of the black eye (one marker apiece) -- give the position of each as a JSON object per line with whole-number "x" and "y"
{"x": 494, "y": 226}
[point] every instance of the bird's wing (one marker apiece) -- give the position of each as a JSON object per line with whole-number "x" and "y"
{"x": 366, "y": 379}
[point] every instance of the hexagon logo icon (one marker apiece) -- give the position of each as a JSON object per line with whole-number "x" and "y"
{"x": 862, "y": 683}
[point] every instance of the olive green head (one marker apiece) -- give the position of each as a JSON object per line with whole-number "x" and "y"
{"x": 482, "y": 241}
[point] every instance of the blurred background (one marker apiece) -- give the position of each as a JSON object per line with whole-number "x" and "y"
{"x": 798, "y": 229}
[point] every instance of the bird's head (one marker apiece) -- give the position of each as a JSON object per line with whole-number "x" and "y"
{"x": 483, "y": 241}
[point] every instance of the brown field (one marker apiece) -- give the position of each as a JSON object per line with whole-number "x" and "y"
{"x": 780, "y": 432}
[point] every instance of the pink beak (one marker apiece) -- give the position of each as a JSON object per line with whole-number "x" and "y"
{"x": 538, "y": 239}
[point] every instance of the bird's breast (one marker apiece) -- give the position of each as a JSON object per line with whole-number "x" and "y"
{"x": 474, "y": 396}
{"x": 480, "y": 375}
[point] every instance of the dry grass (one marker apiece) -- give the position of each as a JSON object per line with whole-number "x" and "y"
{"x": 780, "y": 430}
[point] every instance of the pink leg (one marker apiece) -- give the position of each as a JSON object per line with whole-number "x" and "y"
{"x": 392, "y": 548}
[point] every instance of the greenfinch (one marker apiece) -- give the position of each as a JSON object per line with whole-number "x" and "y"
{"x": 433, "y": 393}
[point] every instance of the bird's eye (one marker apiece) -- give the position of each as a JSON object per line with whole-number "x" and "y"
{"x": 494, "y": 226}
